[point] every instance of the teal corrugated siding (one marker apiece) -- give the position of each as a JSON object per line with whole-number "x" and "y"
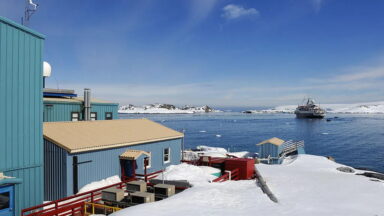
{"x": 271, "y": 150}
{"x": 55, "y": 165}
{"x": 101, "y": 109}
{"x": 60, "y": 111}
{"x": 30, "y": 191}
{"x": 21, "y": 140}
{"x": 268, "y": 149}
{"x": 106, "y": 163}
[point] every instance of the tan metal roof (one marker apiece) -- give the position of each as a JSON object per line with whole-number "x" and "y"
{"x": 73, "y": 100}
{"x": 132, "y": 154}
{"x": 274, "y": 141}
{"x": 84, "y": 136}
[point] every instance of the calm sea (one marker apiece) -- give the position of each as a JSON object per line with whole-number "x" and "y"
{"x": 355, "y": 140}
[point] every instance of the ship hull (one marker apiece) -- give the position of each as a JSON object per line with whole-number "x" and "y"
{"x": 309, "y": 115}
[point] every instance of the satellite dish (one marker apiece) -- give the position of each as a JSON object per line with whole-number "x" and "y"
{"x": 47, "y": 69}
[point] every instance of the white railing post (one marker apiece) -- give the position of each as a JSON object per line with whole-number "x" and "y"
{"x": 229, "y": 174}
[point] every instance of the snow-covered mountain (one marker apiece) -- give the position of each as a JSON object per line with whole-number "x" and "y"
{"x": 164, "y": 109}
{"x": 356, "y": 108}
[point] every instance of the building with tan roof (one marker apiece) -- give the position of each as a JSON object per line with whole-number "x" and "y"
{"x": 77, "y": 153}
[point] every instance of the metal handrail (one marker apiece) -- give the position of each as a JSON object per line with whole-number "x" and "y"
{"x": 68, "y": 202}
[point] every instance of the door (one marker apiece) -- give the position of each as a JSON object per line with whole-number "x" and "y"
{"x": 128, "y": 168}
{"x": 6, "y": 201}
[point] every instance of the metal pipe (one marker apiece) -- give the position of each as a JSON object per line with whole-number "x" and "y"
{"x": 75, "y": 175}
{"x": 87, "y": 104}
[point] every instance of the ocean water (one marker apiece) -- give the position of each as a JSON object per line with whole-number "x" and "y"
{"x": 354, "y": 140}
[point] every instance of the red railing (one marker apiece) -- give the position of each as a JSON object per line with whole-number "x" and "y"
{"x": 150, "y": 176}
{"x": 72, "y": 205}
{"x": 231, "y": 175}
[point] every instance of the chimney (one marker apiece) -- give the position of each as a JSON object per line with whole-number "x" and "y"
{"x": 87, "y": 104}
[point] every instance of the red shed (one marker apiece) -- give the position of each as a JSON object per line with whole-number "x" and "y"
{"x": 246, "y": 167}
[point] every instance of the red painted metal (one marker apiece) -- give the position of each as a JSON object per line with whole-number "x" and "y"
{"x": 225, "y": 177}
{"x": 149, "y": 176}
{"x": 246, "y": 167}
{"x": 69, "y": 204}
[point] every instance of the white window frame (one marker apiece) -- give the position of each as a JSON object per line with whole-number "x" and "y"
{"x": 169, "y": 155}
{"x": 94, "y": 118}
{"x": 77, "y": 118}
{"x": 149, "y": 161}
{"x": 106, "y": 115}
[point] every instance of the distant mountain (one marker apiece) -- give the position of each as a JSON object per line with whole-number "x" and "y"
{"x": 164, "y": 109}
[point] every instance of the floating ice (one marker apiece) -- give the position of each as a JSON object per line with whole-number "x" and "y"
{"x": 218, "y": 135}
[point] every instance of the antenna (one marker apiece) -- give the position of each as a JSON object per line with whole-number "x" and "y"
{"x": 30, "y": 9}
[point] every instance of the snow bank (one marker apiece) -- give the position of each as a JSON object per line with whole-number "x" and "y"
{"x": 307, "y": 185}
{"x": 357, "y": 108}
{"x": 196, "y": 175}
{"x": 211, "y": 149}
{"x": 213, "y": 152}
{"x": 99, "y": 184}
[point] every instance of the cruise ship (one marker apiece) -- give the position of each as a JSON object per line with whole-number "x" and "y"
{"x": 309, "y": 110}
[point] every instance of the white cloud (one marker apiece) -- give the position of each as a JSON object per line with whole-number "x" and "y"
{"x": 232, "y": 11}
{"x": 363, "y": 74}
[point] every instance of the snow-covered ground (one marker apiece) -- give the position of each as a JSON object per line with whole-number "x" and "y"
{"x": 164, "y": 109}
{"x": 308, "y": 185}
{"x": 356, "y": 108}
{"x": 196, "y": 175}
{"x": 213, "y": 152}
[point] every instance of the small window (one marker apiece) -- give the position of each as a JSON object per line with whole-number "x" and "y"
{"x": 108, "y": 116}
{"x": 149, "y": 160}
{"x": 75, "y": 116}
{"x": 93, "y": 116}
{"x": 4, "y": 200}
{"x": 167, "y": 155}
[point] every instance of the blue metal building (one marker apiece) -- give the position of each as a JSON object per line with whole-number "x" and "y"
{"x": 271, "y": 151}
{"x": 72, "y": 109}
{"x": 102, "y": 149}
{"x": 21, "y": 141}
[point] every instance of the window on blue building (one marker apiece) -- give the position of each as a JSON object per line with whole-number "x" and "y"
{"x": 75, "y": 116}
{"x": 93, "y": 116}
{"x": 4, "y": 200}
{"x": 167, "y": 155}
{"x": 149, "y": 160}
{"x": 108, "y": 116}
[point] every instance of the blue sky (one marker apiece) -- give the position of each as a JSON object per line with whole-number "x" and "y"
{"x": 220, "y": 53}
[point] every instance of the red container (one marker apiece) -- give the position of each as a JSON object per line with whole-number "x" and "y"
{"x": 246, "y": 167}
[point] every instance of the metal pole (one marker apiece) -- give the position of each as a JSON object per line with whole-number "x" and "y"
{"x": 75, "y": 175}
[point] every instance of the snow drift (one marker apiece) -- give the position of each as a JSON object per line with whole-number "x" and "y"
{"x": 308, "y": 185}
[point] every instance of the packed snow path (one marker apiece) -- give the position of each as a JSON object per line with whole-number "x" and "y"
{"x": 309, "y": 185}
